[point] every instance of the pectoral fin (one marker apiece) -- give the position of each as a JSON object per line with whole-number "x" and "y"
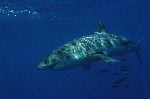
{"x": 104, "y": 58}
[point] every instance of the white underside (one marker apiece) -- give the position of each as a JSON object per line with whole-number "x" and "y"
{"x": 69, "y": 64}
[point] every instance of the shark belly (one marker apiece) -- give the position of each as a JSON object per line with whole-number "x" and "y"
{"x": 69, "y": 64}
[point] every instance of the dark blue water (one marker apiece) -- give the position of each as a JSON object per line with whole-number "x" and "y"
{"x": 30, "y": 29}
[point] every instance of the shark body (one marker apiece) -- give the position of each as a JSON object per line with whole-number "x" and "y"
{"x": 100, "y": 46}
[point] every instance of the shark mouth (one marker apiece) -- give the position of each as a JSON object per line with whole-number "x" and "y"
{"x": 47, "y": 66}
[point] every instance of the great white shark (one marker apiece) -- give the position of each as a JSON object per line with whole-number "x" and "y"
{"x": 100, "y": 46}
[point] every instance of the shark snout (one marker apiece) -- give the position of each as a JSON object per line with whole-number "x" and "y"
{"x": 47, "y": 64}
{"x": 42, "y": 65}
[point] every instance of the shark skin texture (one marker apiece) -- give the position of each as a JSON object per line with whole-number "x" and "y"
{"x": 83, "y": 51}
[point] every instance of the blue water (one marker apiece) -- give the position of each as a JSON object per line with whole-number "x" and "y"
{"x": 31, "y": 29}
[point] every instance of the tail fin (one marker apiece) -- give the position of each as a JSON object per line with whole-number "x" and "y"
{"x": 139, "y": 43}
{"x": 139, "y": 57}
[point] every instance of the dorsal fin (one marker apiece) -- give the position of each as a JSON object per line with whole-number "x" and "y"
{"x": 100, "y": 27}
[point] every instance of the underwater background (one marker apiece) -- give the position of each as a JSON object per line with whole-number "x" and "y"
{"x": 31, "y": 29}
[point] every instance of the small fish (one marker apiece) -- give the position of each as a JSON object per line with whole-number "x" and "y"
{"x": 126, "y": 72}
{"x": 121, "y": 80}
{"x": 114, "y": 86}
{"x": 125, "y": 69}
{"x": 115, "y": 74}
{"x": 103, "y": 71}
{"x": 126, "y": 86}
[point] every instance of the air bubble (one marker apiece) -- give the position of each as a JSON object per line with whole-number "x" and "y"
{"x": 6, "y": 11}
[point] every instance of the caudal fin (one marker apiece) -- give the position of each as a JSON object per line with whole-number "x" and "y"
{"x": 139, "y": 57}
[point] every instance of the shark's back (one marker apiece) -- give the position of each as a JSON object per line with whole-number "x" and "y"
{"x": 82, "y": 47}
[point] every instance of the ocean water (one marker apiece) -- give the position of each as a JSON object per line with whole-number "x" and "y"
{"x": 31, "y": 29}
